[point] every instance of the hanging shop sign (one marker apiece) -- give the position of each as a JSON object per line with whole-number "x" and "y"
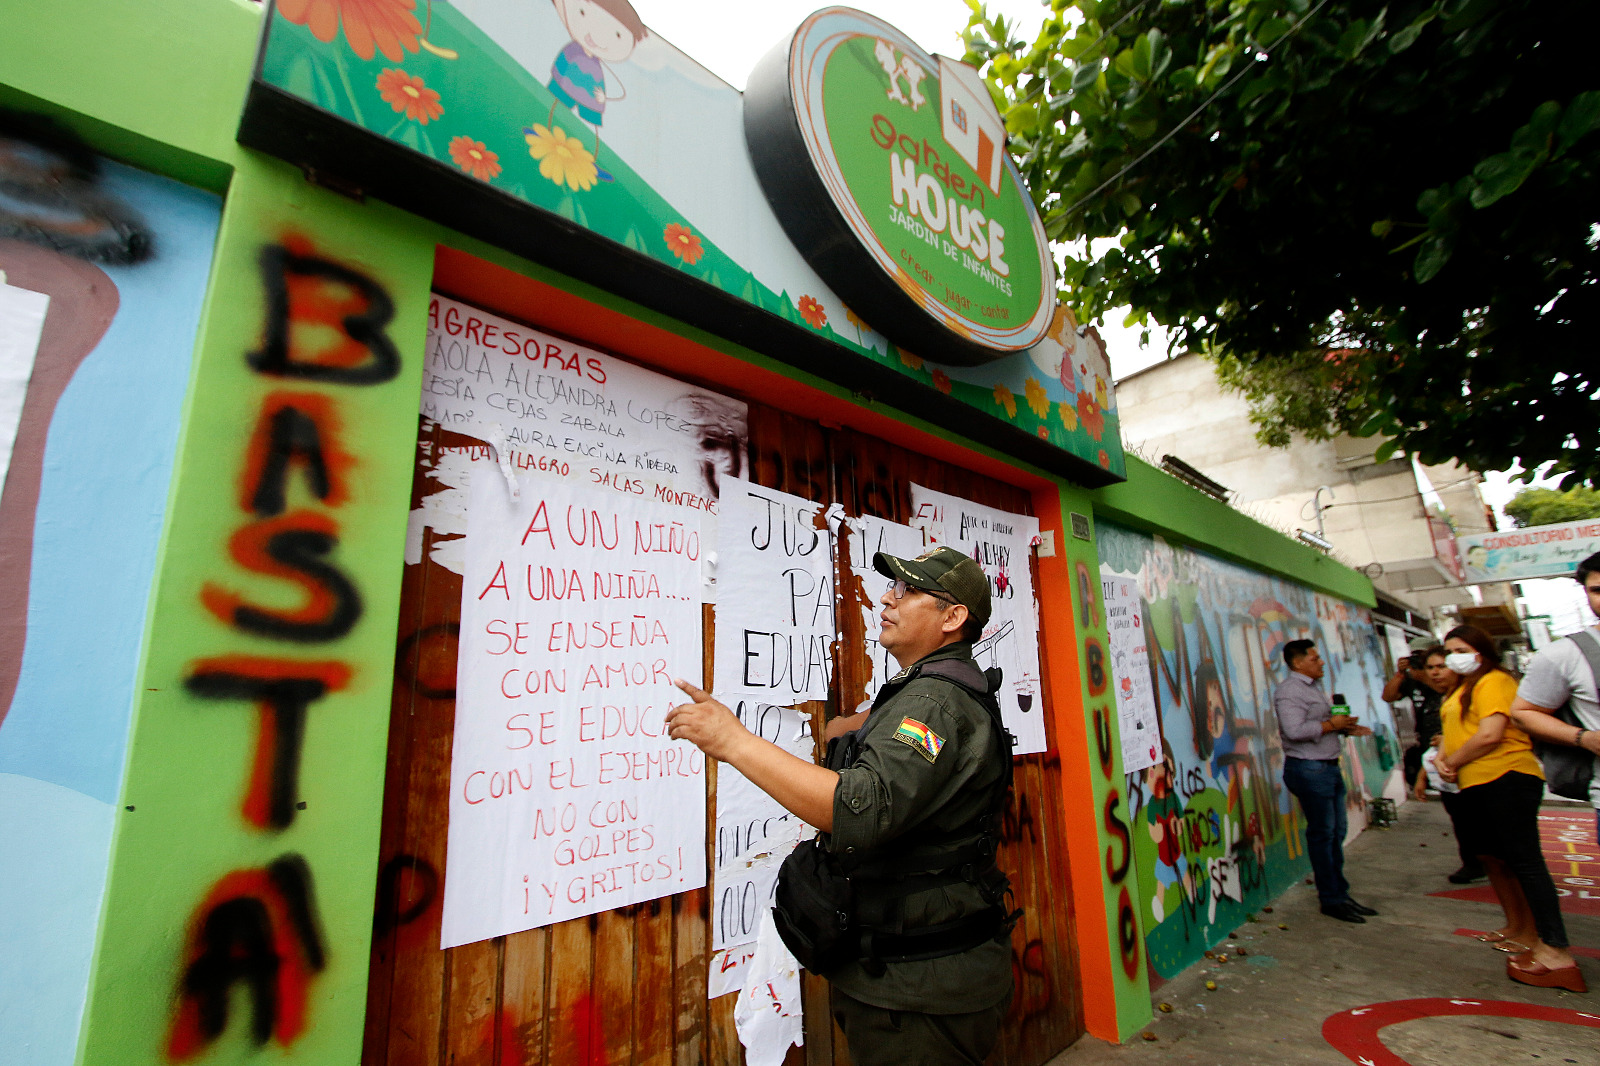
{"x": 888, "y": 170}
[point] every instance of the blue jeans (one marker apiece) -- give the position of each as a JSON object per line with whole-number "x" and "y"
{"x": 1320, "y": 789}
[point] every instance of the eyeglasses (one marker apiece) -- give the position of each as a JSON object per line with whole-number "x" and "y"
{"x": 897, "y": 590}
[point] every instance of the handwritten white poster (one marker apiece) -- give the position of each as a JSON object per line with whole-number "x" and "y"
{"x": 775, "y": 609}
{"x": 754, "y": 835}
{"x": 1130, "y": 671}
{"x": 1002, "y": 543}
{"x": 548, "y": 409}
{"x": 22, "y": 314}
{"x": 578, "y": 608}
{"x": 868, "y": 536}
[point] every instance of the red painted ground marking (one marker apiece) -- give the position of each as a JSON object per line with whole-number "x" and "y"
{"x": 1587, "y": 953}
{"x": 1354, "y": 1033}
{"x": 1573, "y": 855}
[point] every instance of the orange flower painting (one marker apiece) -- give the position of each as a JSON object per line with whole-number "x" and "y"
{"x": 386, "y": 26}
{"x": 472, "y": 157}
{"x": 1105, "y": 460}
{"x": 1038, "y": 399}
{"x": 405, "y": 93}
{"x": 1089, "y": 413}
{"x": 913, "y": 361}
{"x": 812, "y": 311}
{"x": 941, "y": 381}
{"x": 684, "y": 243}
{"x": 1007, "y": 399}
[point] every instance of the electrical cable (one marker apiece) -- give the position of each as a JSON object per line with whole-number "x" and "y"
{"x": 1397, "y": 499}
{"x": 1197, "y": 112}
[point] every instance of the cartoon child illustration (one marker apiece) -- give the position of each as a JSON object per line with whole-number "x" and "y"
{"x": 1164, "y": 815}
{"x": 602, "y": 32}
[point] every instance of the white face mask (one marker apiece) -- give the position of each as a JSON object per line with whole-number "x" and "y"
{"x": 1462, "y": 662}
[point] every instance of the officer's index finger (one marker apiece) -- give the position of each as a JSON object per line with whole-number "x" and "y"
{"x": 694, "y": 692}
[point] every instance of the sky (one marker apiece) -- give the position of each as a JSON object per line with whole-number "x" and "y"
{"x": 730, "y": 37}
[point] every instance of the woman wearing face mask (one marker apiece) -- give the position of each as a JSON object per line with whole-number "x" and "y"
{"x": 1501, "y": 786}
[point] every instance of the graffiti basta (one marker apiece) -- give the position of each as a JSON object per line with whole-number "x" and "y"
{"x": 259, "y": 928}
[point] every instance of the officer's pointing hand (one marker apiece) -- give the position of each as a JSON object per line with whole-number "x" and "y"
{"x": 705, "y": 723}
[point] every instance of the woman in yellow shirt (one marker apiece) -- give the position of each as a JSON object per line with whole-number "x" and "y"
{"x": 1502, "y": 784}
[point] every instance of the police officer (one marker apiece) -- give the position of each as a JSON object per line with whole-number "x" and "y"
{"x": 921, "y": 788}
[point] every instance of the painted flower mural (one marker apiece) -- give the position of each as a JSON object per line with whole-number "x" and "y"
{"x": 683, "y": 243}
{"x": 1069, "y": 416}
{"x": 941, "y": 381}
{"x": 562, "y": 159}
{"x": 1007, "y": 399}
{"x": 912, "y": 361}
{"x": 1038, "y": 399}
{"x": 403, "y": 92}
{"x": 386, "y": 26}
{"x": 813, "y": 312}
{"x": 1091, "y": 415}
{"x": 472, "y": 157}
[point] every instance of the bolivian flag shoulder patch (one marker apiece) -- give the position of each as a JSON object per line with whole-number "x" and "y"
{"x": 919, "y": 736}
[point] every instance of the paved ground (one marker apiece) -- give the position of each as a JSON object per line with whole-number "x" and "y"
{"x": 1270, "y": 1003}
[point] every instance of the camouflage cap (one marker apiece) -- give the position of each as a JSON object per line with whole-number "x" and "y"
{"x": 943, "y": 569}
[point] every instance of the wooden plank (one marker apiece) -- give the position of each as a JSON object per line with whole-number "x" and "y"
{"x": 573, "y": 1032}
{"x": 653, "y": 1013}
{"x": 690, "y": 914}
{"x": 613, "y": 986}
{"x": 520, "y": 1019}
{"x": 471, "y": 1002}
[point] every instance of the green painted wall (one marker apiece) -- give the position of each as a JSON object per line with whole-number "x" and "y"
{"x": 1155, "y": 501}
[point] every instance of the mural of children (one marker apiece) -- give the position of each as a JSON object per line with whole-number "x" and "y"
{"x": 602, "y": 32}
{"x": 1164, "y": 818}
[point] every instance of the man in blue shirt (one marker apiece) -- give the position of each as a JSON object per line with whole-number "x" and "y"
{"x": 1311, "y": 771}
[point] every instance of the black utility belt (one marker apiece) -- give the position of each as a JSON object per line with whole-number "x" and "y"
{"x": 937, "y": 941}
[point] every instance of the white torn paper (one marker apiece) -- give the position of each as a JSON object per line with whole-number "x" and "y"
{"x": 775, "y": 609}
{"x": 548, "y": 409}
{"x": 1130, "y": 671}
{"x": 868, "y": 536}
{"x": 22, "y": 314}
{"x": 567, "y": 797}
{"x": 768, "y": 1015}
{"x": 1001, "y": 543}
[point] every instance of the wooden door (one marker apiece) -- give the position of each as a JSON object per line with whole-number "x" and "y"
{"x": 629, "y": 985}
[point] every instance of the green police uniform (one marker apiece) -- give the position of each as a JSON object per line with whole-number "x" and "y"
{"x": 929, "y": 769}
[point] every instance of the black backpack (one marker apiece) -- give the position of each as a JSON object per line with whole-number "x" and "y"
{"x": 814, "y": 907}
{"x": 1569, "y": 771}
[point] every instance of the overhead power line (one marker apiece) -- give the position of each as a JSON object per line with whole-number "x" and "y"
{"x": 1197, "y": 112}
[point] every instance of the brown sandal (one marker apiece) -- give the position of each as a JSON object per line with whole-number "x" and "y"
{"x": 1541, "y": 976}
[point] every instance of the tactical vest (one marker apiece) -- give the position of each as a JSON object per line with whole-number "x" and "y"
{"x": 817, "y": 904}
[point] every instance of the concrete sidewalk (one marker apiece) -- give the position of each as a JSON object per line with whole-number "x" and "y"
{"x": 1278, "y": 985}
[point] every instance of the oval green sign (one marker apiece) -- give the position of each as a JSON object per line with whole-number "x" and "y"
{"x": 911, "y": 151}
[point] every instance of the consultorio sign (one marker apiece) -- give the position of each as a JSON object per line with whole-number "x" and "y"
{"x": 1522, "y": 554}
{"x": 889, "y": 171}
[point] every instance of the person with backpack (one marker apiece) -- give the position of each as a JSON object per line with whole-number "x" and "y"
{"x": 899, "y": 902}
{"x": 1558, "y": 701}
{"x": 1502, "y": 784}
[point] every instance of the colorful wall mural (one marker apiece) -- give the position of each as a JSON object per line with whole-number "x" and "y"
{"x": 123, "y": 258}
{"x": 1215, "y": 834}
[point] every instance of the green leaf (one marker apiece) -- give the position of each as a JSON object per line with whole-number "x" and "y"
{"x": 1431, "y": 258}
{"x": 1272, "y": 29}
{"x": 1500, "y": 175}
{"x": 1381, "y": 228}
{"x": 1385, "y": 451}
{"x": 1580, "y": 117}
{"x": 1129, "y": 203}
{"x": 1408, "y": 36}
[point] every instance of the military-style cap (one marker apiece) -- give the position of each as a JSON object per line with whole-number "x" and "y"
{"x": 943, "y": 569}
